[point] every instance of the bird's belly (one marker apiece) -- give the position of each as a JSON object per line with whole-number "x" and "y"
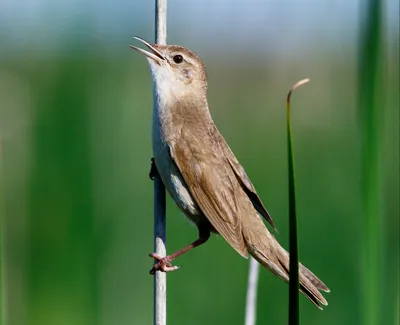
{"x": 174, "y": 183}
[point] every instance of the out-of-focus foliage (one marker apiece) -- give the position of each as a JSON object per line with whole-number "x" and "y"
{"x": 76, "y": 200}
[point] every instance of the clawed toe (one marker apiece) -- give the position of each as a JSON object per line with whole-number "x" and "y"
{"x": 164, "y": 264}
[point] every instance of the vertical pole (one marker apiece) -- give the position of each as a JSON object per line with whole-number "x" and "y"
{"x": 161, "y": 22}
{"x": 160, "y": 279}
{"x": 251, "y": 299}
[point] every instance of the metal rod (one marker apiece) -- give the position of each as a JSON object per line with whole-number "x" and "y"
{"x": 251, "y": 299}
{"x": 160, "y": 279}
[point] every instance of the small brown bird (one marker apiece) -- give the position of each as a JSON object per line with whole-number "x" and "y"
{"x": 202, "y": 174}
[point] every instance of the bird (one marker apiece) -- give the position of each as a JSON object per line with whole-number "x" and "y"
{"x": 201, "y": 173}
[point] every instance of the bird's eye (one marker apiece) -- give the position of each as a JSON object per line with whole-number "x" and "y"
{"x": 178, "y": 58}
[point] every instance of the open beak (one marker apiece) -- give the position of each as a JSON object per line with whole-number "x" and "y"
{"x": 154, "y": 54}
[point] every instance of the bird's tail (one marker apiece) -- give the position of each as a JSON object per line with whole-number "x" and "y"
{"x": 267, "y": 251}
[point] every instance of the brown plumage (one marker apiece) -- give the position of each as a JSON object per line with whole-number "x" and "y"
{"x": 202, "y": 174}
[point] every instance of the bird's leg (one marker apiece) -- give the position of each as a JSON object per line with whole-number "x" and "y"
{"x": 153, "y": 170}
{"x": 164, "y": 263}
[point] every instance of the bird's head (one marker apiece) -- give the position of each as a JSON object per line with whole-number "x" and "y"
{"x": 176, "y": 70}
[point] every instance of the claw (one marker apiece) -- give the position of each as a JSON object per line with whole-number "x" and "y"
{"x": 170, "y": 268}
{"x": 163, "y": 265}
{"x": 155, "y": 256}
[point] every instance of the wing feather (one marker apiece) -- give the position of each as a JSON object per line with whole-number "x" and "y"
{"x": 244, "y": 180}
{"x": 214, "y": 187}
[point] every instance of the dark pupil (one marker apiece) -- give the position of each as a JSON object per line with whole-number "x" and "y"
{"x": 178, "y": 58}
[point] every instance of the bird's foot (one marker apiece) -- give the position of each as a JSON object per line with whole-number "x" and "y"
{"x": 164, "y": 264}
{"x": 153, "y": 170}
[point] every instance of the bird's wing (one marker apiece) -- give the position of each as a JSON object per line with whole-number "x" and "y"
{"x": 244, "y": 180}
{"x": 213, "y": 185}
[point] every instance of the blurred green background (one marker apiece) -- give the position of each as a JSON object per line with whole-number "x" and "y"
{"x": 75, "y": 119}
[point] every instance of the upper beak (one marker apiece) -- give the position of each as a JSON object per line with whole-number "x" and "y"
{"x": 154, "y": 54}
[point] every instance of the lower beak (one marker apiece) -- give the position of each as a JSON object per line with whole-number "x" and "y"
{"x": 154, "y": 54}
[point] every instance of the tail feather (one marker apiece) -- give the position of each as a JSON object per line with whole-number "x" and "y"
{"x": 313, "y": 279}
{"x": 272, "y": 256}
{"x": 311, "y": 292}
{"x": 307, "y": 286}
{"x": 310, "y": 296}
